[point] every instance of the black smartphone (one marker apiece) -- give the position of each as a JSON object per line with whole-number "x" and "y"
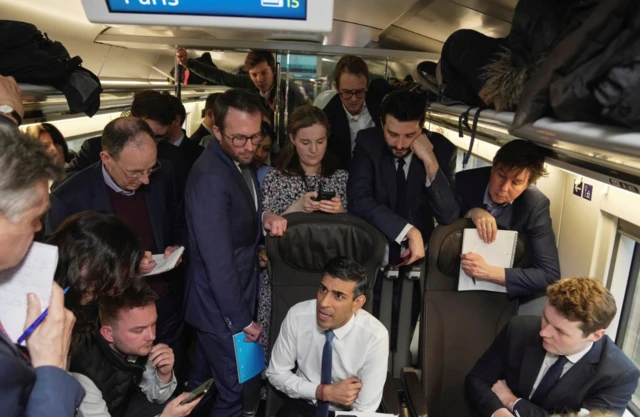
{"x": 198, "y": 392}
{"x": 325, "y": 195}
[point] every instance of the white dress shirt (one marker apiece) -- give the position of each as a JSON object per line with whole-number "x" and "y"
{"x": 93, "y": 404}
{"x": 358, "y": 122}
{"x": 360, "y": 350}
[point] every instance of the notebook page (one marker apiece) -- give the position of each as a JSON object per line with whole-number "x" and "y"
{"x": 164, "y": 265}
{"x": 34, "y": 274}
{"x": 497, "y": 253}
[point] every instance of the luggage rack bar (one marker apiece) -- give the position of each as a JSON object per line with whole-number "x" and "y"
{"x": 44, "y": 103}
{"x": 608, "y": 152}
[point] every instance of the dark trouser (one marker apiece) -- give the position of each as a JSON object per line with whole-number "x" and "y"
{"x": 298, "y": 408}
{"x": 169, "y": 329}
{"x": 215, "y": 358}
{"x": 139, "y": 406}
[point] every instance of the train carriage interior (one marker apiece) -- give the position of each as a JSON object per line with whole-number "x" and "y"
{"x": 593, "y": 166}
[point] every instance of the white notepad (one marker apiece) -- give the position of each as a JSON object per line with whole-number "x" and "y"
{"x": 164, "y": 265}
{"x": 34, "y": 274}
{"x": 500, "y": 252}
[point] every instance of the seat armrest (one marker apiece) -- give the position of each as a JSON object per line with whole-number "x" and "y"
{"x": 390, "y": 401}
{"x": 251, "y": 396}
{"x": 414, "y": 392}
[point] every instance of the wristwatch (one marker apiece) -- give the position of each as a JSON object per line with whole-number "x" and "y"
{"x": 8, "y": 111}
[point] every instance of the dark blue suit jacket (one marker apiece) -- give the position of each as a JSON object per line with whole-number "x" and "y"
{"x": 371, "y": 188}
{"x": 191, "y": 151}
{"x": 604, "y": 379}
{"x": 529, "y": 216}
{"x": 87, "y": 191}
{"x": 224, "y": 228}
{"x": 29, "y": 392}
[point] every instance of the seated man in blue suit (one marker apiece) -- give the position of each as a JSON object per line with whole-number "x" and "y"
{"x": 224, "y": 221}
{"x": 33, "y": 383}
{"x": 399, "y": 181}
{"x": 503, "y": 197}
{"x": 129, "y": 182}
{"x": 561, "y": 363}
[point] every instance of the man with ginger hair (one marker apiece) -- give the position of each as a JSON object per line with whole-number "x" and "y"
{"x": 561, "y": 363}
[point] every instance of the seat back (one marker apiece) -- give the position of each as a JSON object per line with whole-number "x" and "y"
{"x": 296, "y": 260}
{"x": 457, "y": 327}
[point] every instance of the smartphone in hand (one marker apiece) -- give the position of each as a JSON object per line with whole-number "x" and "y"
{"x": 325, "y": 195}
{"x": 198, "y": 392}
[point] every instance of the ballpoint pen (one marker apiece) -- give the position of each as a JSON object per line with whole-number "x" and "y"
{"x": 35, "y": 324}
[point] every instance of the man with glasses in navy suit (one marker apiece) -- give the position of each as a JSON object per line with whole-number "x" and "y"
{"x": 224, "y": 219}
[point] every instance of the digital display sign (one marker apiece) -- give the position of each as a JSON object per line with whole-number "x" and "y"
{"x": 288, "y": 16}
{"x": 269, "y": 9}
{"x": 299, "y": 63}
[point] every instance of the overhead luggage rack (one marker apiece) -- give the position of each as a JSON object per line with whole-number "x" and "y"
{"x": 43, "y": 103}
{"x": 608, "y": 152}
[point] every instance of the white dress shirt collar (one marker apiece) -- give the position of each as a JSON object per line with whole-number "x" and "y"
{"x": 341, "y": 332}
{"x": 577, "y": 356}
{"x": 356, "y": 117}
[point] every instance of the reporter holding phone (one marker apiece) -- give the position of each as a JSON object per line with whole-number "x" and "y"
{"x": 306, "y": 179}
{"x": 123, "y": 372}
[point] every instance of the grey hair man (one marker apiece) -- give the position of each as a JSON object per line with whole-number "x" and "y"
{"x": 26, "y": 167}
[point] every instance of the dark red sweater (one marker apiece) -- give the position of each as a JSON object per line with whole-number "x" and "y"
{"x": 132, "y": 210}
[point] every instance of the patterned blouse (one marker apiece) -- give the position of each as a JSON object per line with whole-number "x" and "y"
{"x": 280, "y": 191}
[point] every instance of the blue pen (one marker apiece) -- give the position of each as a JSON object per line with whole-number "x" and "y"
{"x": 36, "y": 323}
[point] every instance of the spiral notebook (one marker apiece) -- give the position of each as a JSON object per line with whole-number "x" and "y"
{"x": 500, "y": 252}
{"x": 249, "y": 357}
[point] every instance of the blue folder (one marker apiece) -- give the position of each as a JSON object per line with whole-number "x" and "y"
{"x": 249, "y": 357}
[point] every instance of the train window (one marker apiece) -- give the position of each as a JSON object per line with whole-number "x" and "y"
{"x": 628, "y": 335}
{"x": 474, "y": 161}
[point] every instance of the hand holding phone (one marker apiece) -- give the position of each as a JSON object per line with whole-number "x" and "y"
{"x": 178, "y": 408}
{"x": 198, "y": 392}
{"x": 325, "y": 195}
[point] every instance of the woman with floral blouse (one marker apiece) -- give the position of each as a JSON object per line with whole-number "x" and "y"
{"x": 303, "y": 170}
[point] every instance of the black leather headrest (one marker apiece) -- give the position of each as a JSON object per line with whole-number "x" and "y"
{"x": 310, "y": 246}
{"x": 311, "y": 240}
